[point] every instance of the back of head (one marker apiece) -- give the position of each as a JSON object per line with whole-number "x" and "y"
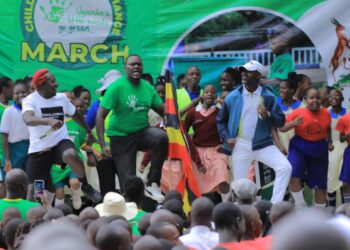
{"x": 164, "y": 230}
{"x": 175, "y": 207}
{"x": 56, "y": 237}
{"x": 16, "y": 183}
{"x": 226, "y": 216}
{"x": 53, "y": 214}
{"x": 10, "y": 231}
{"x": 93, "y": 229}
{"x": 156, "y": 229}
{"x": 9, "y": 214}
{"x": 134, "y": 189}
{"x": 148, "y": 242}
{"x": 280, "y": 210}
{"x": 66, "y": 210}
{"x": 35, "y": 213}
{"x": 144, "y": 223}
{"x": 111, "y": 237}
{"x": 264, "y": 207}
{"x": 88, "y": 213}
{"x": 305, "y": 231}
{"x": 253, "y": 223}
{"x": 172, "y": 195}
{"x": 163, "y": 215}
{"x": 201, "y": 213}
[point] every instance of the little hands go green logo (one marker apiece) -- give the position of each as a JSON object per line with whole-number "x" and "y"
{"x": 58, "y": 8}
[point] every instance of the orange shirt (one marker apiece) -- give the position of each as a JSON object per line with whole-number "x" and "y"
{"x": 236, "y": 246}
{"x": 314, "y": 125}
{"x": 263, "y": 243}
{"x": 343, "y": 125}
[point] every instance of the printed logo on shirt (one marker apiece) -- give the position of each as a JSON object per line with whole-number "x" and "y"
{"x": 53, "y": 112}
{"x": 132, "y": 101}
{"x": 135, "y": 104}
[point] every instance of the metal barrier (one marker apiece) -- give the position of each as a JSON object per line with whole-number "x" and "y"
{"x": 303, "y": 57}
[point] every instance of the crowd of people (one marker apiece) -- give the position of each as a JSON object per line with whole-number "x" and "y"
{"x": 51, "y": 140}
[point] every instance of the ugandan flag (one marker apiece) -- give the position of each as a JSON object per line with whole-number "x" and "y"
{"x": 178, "y": 145}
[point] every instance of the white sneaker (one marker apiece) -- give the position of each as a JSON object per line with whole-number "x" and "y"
{"x": 76, "y": 200}
{"x": 154, "y": 193}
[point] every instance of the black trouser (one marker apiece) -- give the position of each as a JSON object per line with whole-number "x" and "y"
{"x": 124, "y": 150}
{"x": 106, "y": 172}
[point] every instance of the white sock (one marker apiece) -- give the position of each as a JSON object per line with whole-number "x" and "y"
{"x": 299, "y": 198}
{"x": 323, "y": 205}
{"x": 58, "y": 201}
{"x": 75, "y": 192}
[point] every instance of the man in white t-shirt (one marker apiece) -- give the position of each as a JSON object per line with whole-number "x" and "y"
{"x": 43, "y": 112}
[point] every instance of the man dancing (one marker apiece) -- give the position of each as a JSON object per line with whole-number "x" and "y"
{"x": 43, "y": 112}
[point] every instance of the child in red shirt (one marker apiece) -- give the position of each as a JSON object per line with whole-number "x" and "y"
{"x": 343, "y": 126}
{"x": 308, "y": 149}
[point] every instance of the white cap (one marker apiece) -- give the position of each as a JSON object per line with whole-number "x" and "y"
{"x": 108, "y": 79}
{"x": 252, "y": 66}
{"x": 244, "y": 189}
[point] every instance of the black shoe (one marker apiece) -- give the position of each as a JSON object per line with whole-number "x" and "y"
{"x": 91, "y": 194}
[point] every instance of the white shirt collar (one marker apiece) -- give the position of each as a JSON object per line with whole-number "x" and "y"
{"x": 256, "y": 92}
{"x": 199, "y": 229}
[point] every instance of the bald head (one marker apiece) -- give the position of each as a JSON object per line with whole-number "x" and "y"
{"x": 8, "y": 214}
{"x": 147, "y": 242}
{"x": 144, "y": 223}
{"x": 93, "y": 228}
{"x": 88, "y": 213}
{"x": 163, "y": 215}
{"x": 35, "y": 213}
{"x": 307, "y": 230}
{"x": 56, "y": 237}
{"x": 16, "y": 183}
{"x": 164, "y": 230}
{"x": 10, "y": 231}
{"x": 280, "y": 210}
{"x": 111, "y": 237}
{"x": 201, "y": 213}
{"x": 253, "y": 223}
{"x": 53, "y": 214}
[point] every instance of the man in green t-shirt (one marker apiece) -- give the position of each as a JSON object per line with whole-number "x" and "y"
{"x": 130, "y": 98}
{"x": 16, "y": 189}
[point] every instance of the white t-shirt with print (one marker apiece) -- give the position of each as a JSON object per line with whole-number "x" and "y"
{"x": 56, "y": 107}
{"x": 12, "y": 124}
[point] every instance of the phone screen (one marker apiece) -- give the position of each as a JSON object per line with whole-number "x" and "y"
{"x": 39, "y": 186}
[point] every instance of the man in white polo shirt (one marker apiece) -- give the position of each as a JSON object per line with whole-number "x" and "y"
{"x": 244, "y": 123}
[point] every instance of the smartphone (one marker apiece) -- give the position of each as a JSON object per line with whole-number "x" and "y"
{"x": 39, "y": 186}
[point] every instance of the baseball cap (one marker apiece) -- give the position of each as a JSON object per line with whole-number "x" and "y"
{"x": 108, "y": 79}
{"x": 244, "y": 189}
{"x": 252, "y": 66}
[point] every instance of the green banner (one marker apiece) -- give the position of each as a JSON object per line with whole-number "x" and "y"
{"x": 80, "y": 40}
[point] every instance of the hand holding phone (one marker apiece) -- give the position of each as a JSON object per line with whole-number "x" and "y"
{"x": 39, "y": 187}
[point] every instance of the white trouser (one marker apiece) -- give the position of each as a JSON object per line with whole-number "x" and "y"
{"x": 243, "y": 155}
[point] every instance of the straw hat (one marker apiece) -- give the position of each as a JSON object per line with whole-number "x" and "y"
{"x": 114, "y": 203}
